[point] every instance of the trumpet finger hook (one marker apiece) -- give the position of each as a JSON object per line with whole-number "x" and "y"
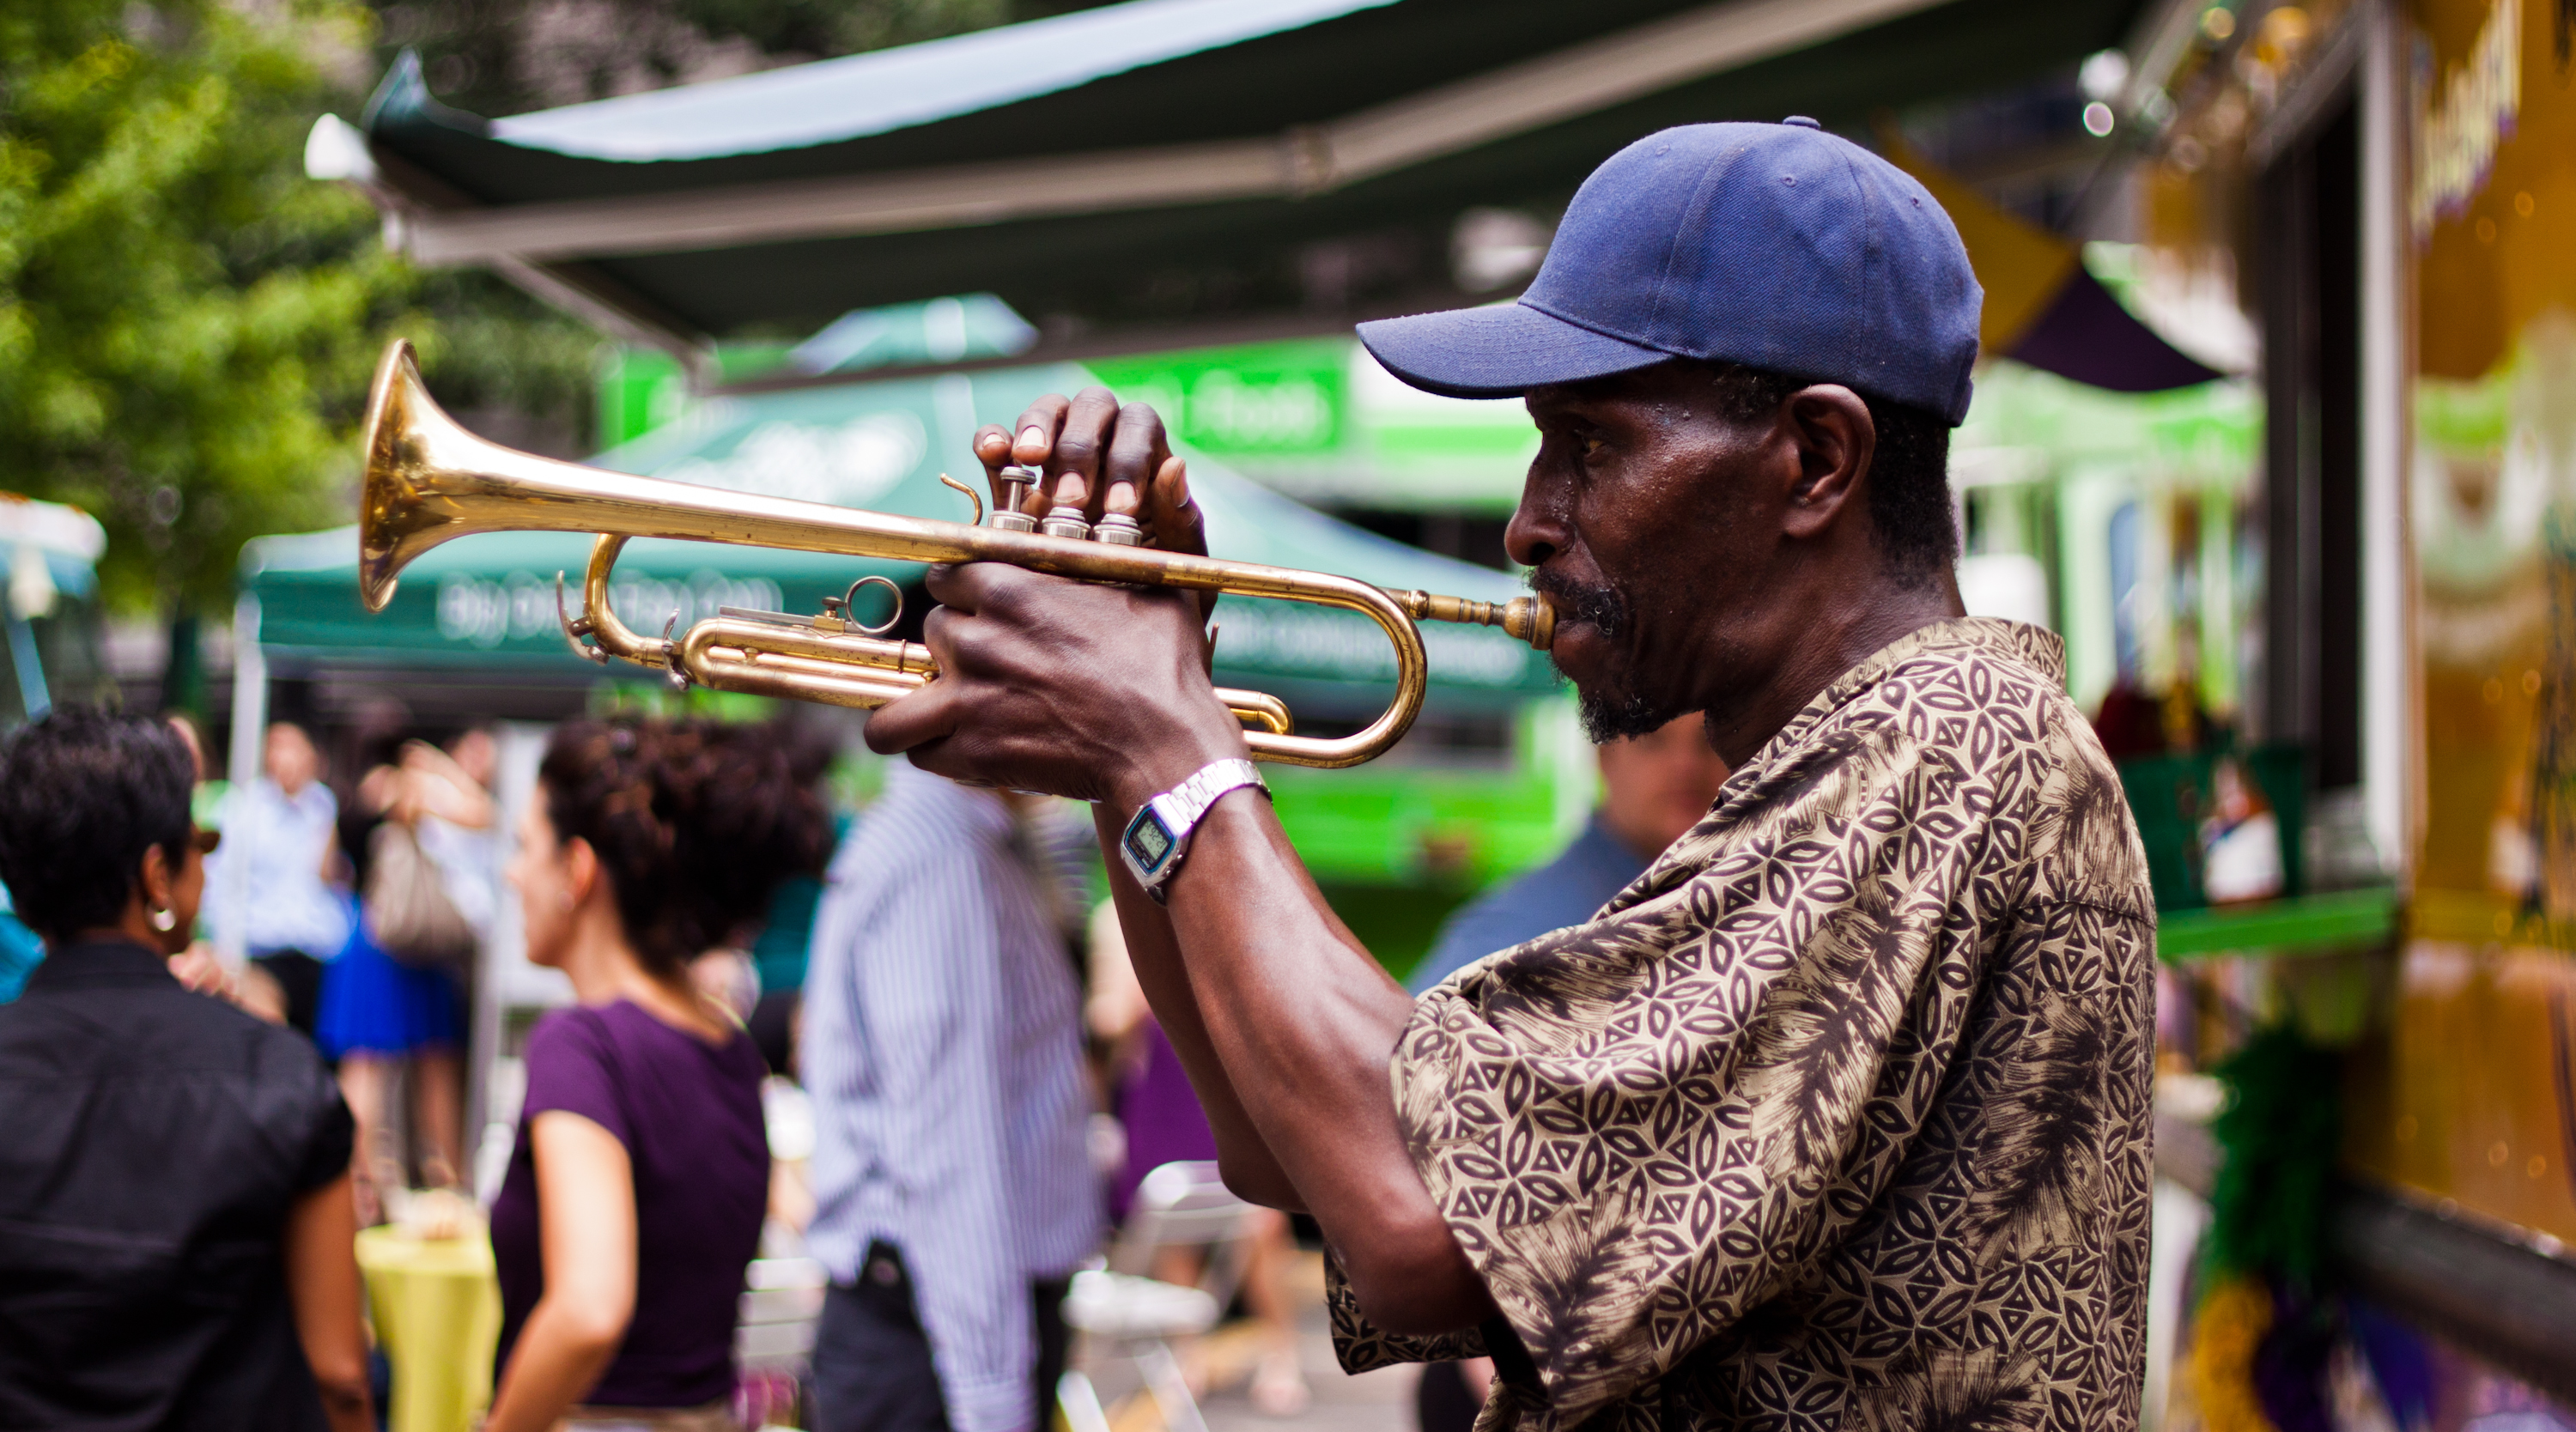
{"x": 971, "y": 495}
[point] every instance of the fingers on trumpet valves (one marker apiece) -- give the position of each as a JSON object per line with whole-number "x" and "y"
{"x": 1031, "y": 456}
{"x": 1090, "y": 453}
{"x": 1063, "y": 520}
{"x": 1136, "y": 452}
{"x": 1089, "y": 466}
{"x": 1085, "y": 439}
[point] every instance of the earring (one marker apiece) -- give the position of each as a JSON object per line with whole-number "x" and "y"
{"x": 165, "y": 920}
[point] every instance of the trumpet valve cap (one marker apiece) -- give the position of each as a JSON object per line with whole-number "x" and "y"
{"x": 1016, "y": 482}
{"x": 1119, "y": 530}
{"x": 1067, "y": 523}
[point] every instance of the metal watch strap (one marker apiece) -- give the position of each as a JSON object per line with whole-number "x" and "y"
{"x": 1183, "y": 805}
{"x": 1179, "y": 810}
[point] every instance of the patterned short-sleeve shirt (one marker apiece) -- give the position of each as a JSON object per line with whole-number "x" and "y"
{"x": 1838, "y": 1117}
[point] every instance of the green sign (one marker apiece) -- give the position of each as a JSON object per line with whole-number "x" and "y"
{"x": 1260, "y": 398}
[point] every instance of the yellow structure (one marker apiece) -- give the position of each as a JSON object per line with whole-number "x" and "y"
{"x": 436, "y": 1305}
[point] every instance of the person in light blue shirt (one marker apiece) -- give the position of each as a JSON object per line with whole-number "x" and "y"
{"x": 283, "y": 827}
{"x": 1653, "y": 788}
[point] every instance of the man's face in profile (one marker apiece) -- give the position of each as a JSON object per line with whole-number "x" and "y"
{"x": 1633, "y": 521}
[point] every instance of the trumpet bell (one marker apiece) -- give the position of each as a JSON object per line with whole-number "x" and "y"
{"x": 397, "y": 521}
{"x": 387, "y": 501}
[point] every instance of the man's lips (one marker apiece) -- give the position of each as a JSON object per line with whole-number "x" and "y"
{"x": 1579, "y": 649}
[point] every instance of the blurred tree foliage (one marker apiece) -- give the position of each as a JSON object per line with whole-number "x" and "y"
{"x": 184, "y": 319}
{"x": 187, "y": 323}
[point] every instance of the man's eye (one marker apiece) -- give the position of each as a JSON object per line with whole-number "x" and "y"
{"x": 1594, "y": 449}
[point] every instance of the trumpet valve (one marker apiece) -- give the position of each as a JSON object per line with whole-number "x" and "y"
{"x": 1118, "y": 530}
{"x": 1007, "y": 516}
{"x": 1067, "y": 523}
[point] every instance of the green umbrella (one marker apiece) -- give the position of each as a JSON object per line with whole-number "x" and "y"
{"x": 489, "y": 600}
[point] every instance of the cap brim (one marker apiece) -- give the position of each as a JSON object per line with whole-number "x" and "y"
{"x": 1500, "y": 351}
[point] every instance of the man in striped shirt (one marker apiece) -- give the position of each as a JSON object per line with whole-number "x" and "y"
{"x": 943, "y": 1049}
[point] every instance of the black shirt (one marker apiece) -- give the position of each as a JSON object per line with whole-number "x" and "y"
{"x": 152, "y": 1141}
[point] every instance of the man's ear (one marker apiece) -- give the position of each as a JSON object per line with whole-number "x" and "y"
{"x": 1835, "y": 440}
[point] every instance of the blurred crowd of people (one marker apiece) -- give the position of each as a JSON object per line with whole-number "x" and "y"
{"x": 965, "y": 1051}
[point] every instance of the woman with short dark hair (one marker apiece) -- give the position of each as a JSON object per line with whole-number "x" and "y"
{"x": 176, "y": 1233}
{"x": 635, "y": 1196}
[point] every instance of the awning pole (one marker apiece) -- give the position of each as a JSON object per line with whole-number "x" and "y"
{"x": 2390, "y": 714}
{"x": 241, "y": 767}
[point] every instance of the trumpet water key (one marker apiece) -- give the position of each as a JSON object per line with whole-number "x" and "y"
{"x": 429, "y": 481}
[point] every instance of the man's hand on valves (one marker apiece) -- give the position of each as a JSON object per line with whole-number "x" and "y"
{"x": 1098, "y": 692}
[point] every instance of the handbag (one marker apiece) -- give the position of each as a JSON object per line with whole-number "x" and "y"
{"x": 410, "y": 915}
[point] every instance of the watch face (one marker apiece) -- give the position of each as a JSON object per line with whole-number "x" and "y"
{"x": 1148, "y": 841}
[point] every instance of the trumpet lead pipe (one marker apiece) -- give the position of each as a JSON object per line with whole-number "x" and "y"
{"x": 1528, "y": 619}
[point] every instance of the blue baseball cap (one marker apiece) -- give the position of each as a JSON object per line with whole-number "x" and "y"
{"x": 1776, "y": 246}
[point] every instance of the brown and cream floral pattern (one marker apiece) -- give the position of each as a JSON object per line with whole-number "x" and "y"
{"x": 1837, "y": 1117}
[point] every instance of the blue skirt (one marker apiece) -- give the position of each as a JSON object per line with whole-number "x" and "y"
{"x": 374, "y": 1004}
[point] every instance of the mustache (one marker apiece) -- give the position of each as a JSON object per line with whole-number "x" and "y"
{"x": 1596, "y": 603}
{"x": 1612, "y": 707}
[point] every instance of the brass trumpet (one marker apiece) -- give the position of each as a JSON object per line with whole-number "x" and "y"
{"x": 428, "y": 480}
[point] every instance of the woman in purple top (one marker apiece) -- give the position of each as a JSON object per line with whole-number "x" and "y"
{"x": 635, "y": 1195}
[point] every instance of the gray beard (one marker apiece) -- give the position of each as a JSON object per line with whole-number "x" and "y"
{"x": 1610, "y": 713}
{"x": 1615, "y": 716}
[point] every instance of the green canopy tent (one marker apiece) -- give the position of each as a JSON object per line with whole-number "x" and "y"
{"x": 488, "y": 602}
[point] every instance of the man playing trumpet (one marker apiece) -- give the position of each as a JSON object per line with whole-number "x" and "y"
{"x": 1838, "y": 1115}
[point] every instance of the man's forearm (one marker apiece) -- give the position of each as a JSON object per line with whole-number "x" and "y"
{"x": 1301, "y": 1022}
{"x": 1251, "y": 1170}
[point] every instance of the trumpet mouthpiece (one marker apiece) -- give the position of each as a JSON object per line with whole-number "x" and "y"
{"x": 1528, "y": 619}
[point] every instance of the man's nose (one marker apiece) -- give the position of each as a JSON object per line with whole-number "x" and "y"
{"x": 1534, "y": 534}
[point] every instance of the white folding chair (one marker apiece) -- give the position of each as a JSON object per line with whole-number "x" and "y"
{"x": 782, "y": 1300}
{"x": 1125, "y": 1315}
